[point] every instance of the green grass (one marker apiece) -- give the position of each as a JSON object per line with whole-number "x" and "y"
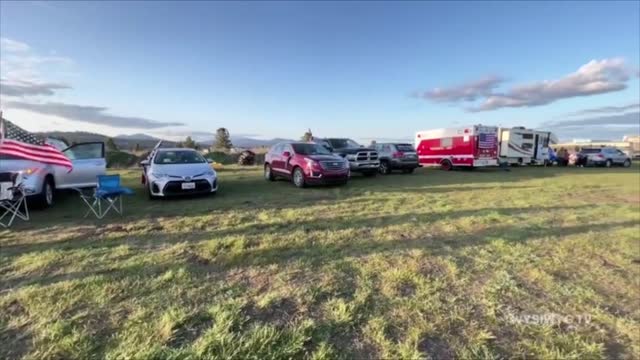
{"x": 430, "y": 265}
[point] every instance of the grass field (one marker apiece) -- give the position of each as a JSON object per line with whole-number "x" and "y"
{"x": 531, "y": 263}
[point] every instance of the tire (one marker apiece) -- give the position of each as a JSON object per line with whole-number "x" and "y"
{"x": 268, "y": 174}
{"x": 45, "y": 199}
{"x": 608, "y": 163}
{"x": 298, "y": 178}
{"x": 446, "y": 165}
{"x": 408, "y": 171}
{"x": 369, "y": 173}
{"x": 626, "y": 163}
{"x": 385, "y": 168}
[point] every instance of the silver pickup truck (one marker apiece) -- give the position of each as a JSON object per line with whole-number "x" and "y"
{"x": 41, "y": 180}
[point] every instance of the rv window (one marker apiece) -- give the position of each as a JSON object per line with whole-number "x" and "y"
{"x": 527, "y": 136}
{"x": 446, "y": 142}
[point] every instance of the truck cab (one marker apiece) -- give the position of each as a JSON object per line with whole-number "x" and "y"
{"x": 361, "y": 159}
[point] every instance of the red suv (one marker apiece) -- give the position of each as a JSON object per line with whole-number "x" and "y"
{"x": 305, "y": 164}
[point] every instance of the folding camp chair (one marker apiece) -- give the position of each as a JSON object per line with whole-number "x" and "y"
{"x": 105, "y": 197}
{"x": 12, "y": 198}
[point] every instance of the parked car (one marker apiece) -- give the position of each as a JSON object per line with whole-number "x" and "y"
{"x": 396, "y": 156}
{"x": 305, "y": 164}
{"x": 361, "y": 159}
{"x": 178, "y": 171}
{"x": 42, "y": 180}
{"x": 606, "y": 156}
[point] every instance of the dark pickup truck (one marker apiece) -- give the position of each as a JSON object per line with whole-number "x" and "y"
{"x": 361, "y": 159}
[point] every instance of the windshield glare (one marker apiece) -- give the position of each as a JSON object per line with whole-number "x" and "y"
{"x": 343, "y": 143}
{"x": 310, "y": 149}
{"x": 179, "y": 157}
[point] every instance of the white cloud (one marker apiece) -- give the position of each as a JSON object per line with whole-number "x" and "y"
{"x": 594, "y": 77}
{"x": 464, "y": 92}
{"x": 10, "y": 45}
{"x": 17, "y": 88}
{"x": 89, "y": 114}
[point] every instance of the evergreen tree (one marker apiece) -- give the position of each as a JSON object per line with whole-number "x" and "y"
{"x": 308, "y": 136}
{"x": 189, "y": 143}
{"x": 223, "y": 140}
{"x": 111, "y": 145}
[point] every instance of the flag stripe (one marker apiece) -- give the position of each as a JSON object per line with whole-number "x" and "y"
{"x": 23, "y": 144}
{"x": 35, "y": 147}
{"x": 36, "y": 158}
{"x": 44, "y": 154}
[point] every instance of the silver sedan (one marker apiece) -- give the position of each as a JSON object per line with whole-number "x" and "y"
{"x": 178, "y": 171}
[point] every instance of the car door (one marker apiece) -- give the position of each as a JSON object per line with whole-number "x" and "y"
{"x": 277, "y": 164}
{"x": 619, "y": 156}
{"x": 88, "y": 162}
{"x": 286, "y": 163}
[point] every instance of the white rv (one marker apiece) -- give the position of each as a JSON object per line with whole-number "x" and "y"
{"x": 517, "y": 145}
{"x": 543, "y": 141}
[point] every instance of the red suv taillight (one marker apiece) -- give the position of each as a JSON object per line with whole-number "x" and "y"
{"x": 397, "y": 154}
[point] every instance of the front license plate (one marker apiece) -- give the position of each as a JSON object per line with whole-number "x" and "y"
{"x": 188, "y": 186}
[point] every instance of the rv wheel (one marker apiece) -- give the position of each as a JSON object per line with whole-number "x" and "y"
{"x": 446, "y": 165}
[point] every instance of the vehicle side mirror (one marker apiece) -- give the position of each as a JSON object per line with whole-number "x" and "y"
{"x": 328, "y": 148}
{"x": 286, "y": 154}
{"x": 144, "y": 163}
{"x": 210, "y": 161}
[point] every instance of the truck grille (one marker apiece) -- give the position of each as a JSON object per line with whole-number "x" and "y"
{"x": 367, "y": 155}
{"x": 332, "y": 165}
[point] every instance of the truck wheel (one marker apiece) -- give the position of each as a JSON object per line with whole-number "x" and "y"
{"x": 408, "y": 171}
{"x": 298, "y": 178}
{"x": 45, "y": 199}
{"x": 385, "y": 168}
{"x": 268, "y": 174}
{"x": 627, "y": 163}
{"x": 446, "y": 165}
{"x": 608, "y": 163}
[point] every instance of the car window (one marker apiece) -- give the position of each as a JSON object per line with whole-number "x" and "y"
{"x": 276, "y": 149}
{"x": 405, "y": 147}
{"x": 85, "y": 151}
{"x": 178, "y": 157}
{"x": 590, "y": 151}
{"x": 310, "y": 149}
{"x": 343, "y": 143}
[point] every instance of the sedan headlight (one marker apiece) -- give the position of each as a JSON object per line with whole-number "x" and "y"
{"x": 210, "y": 173}
{"x": 159, "y": 175}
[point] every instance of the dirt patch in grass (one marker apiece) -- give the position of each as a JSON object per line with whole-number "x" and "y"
{"x": 190, "y": 330}
{"x": 436, "y": 348}
{"x": 279, "y": 313}
{"x": 16, "y": 341}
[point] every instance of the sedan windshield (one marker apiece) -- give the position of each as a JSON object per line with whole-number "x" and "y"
{"x": 310, "y": 149}
{"x": 179, "y": 157}
{"x": 343, "y": 143}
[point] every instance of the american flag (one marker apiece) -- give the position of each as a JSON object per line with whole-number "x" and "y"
{"x": 23, "y": 144}
{"x": 487, "y": 140}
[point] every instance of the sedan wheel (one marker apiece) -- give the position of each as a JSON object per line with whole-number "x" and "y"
{"x": 627, "y": 163}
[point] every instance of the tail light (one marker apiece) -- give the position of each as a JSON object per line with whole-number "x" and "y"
{"x": 397, "y": 154}
{"x": 600, "y": 156}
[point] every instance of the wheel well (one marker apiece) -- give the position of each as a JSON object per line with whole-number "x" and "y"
{"x": 49, "y": 177}
{"x": 445, "y": 160}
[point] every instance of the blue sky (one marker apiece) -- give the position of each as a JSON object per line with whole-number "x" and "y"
{"x": 359, "y": 69}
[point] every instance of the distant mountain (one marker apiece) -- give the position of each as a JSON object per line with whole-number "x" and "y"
{"x": 145, "y": 142}
{"x": 137, "y": 137}
{"x": 124, "y": 142}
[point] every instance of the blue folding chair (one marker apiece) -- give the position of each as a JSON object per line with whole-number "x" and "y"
{"x": 109, "y": 193}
